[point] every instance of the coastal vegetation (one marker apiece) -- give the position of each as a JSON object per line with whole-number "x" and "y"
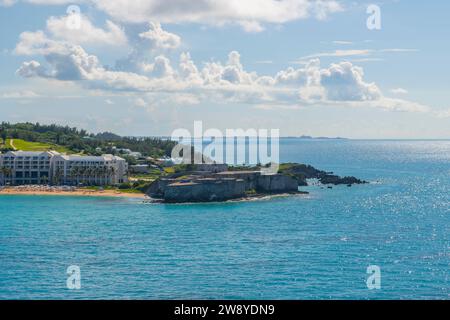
{"x": 138, "y": 187}
{"x": 39, "y": 137}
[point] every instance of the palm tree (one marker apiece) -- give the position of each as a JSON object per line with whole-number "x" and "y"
{"x": 101, "y": 173}
{"x": 73, "y": 174}
{"x": 76, "y": 174}
{"x": 2, "y": 176}
{"x": 104, "y": 175}
{"x": 93, "y": 175}
{"x": 8, "y": 173}
{"x": 4, "y": 172}
{"x": 57, "y": 177}
{"x": 111, "y": 173}
{"x": 83, "y": 174}
{"x": 44, "y": 179}
{"x": 87, "y": 175}
{"x": 97, "y": 174}
{"x": 4, "y": 135}
{"x": 79, "y": 172}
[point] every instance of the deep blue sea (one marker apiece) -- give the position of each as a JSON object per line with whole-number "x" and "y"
{"x": 301, "y": 247}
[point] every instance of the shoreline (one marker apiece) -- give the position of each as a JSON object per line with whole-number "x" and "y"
{"x": 76, "y": 192}
{"x": 257, "y": 197}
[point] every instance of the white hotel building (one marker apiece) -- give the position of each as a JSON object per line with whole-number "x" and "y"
{"x": 50, "y": 167}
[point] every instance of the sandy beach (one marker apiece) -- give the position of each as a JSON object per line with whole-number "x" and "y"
{"x": 66, "y": 191}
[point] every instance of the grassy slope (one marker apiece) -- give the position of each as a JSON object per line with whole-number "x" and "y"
{"x": 36, "y": 146}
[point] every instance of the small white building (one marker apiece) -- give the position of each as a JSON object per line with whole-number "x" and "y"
{"x": 136, "y": 155}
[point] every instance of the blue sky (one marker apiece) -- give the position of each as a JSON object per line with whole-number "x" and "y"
{"x": 305, "y": 67}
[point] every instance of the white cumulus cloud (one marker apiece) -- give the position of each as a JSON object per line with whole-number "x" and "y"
{"x": 345, "y": 82}
{"x": 87, "y": 33}
{"x": 159, "y": 38}
{"x": 399, "y": 91}
{"x": 340, "y": 83}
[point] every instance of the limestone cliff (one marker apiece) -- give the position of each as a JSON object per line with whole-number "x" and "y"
{"x": 221, "y": 187}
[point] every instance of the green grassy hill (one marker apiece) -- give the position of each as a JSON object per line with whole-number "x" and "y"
{"x": 19, "y": 144}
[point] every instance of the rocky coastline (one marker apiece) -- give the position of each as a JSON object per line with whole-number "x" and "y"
{"x": 219, "y": 183}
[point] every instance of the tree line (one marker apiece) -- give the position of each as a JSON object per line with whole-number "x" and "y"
{"x": 81, "y": 141}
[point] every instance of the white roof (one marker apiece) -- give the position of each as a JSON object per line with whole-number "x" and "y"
{"x": 31, "y": 153}
{"x": 105, "y": 157}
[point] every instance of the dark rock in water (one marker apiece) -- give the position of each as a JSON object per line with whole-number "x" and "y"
{"x": 330, "y": 187}
{"x": 302, "y": 172}
{"x": 336, "y": 180}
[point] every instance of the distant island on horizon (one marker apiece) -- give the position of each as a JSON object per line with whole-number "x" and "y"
{"x": 283, "y": 137}
{"x": 314, "y": 138}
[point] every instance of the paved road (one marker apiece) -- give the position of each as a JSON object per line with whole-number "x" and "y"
{"x": 11, "y": 143}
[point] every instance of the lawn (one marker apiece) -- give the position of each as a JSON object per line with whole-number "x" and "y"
{"x": 169, "y": 170}
{"x": 151, "y": 176}
{"x": 23, "y": 145}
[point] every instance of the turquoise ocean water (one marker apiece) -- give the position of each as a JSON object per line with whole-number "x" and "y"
{"x": 302, "y": 247}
